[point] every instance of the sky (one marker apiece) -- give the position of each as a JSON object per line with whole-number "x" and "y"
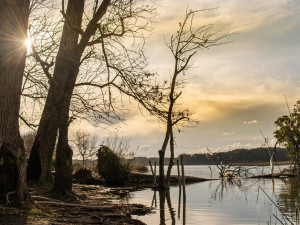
{"x": 238, "y": 88}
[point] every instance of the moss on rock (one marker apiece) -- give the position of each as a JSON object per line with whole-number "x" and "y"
{"x": 110, "y": 167}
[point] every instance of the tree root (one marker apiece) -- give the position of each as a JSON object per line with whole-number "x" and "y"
{"x": 41, "y": 198}
{"x": 134, "y": 209}
{"x": 68, "y": 195}
{"x": 7, "y": 197}
{"x": 96, "y": 207}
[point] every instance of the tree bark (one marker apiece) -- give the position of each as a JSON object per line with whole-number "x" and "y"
{"x": 13, "y": 26}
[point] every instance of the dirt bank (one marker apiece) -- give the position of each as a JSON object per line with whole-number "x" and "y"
{"x": 92, "y": 205}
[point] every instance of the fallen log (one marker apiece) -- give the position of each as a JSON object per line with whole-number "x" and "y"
{"x": 275, "y": 175}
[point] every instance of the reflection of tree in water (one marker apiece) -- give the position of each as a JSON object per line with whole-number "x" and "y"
{"x": 163, "y": 196}
{"x": 165, "y": 201}
{"x": 225, "y": 186}
{"x": 289, "y": 198}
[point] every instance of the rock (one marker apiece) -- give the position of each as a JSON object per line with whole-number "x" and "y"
{"x": 110, "y": 167}
{"x": 84, "y": 176}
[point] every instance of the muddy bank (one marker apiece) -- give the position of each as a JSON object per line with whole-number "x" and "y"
{"x": 146, "y": 180}
{"x": 92, "y": 205}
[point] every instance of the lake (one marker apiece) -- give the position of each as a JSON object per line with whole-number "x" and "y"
{"x": 244, "y": 201}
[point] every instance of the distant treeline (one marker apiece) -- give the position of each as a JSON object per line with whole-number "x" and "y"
{"x": 256, "y": 155}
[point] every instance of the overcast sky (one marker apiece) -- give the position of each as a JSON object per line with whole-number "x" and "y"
{"x": 238, "y": 88}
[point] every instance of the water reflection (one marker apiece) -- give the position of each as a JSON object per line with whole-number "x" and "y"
{"x": 220, "y": 202}
{"x": 164, "y": 195}
{"x": 154, "y": 202}
{"x": 289, "y": 198}
{"x": 226, "y": 187}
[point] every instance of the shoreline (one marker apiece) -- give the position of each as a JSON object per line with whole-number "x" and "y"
{"x": 93, "y": 205}
{"x": 245, "y": 164}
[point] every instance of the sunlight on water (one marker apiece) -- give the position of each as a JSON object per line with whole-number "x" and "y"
{"x": 219, "y": 202}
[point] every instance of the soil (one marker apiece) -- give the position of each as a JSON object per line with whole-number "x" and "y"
{"x": 91, "y": 204}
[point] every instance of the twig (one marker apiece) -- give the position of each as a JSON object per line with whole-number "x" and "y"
{"x": 278, "y": 219}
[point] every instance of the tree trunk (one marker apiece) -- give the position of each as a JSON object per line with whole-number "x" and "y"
{"x": 39, "y": 164}
{"x": 13, "y": 25}
{"x": 64, "y": 153}
{"x": 83, "y": 159}
{"x": 69, "y": 69}
{"x": 64, "y": 78}
{"x": 171, "y": 162}
{"x": 271, "y": 164}
{"x": 162, "y": 179}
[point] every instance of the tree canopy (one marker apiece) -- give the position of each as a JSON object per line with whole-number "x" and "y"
{"x": 288, "y": 132}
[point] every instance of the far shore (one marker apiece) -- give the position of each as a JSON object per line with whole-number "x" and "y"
{"x": 262, "y": 163}
{"x": 246, "y": 164}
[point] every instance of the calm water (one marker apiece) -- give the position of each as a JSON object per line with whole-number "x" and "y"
{"x": 220, "y": 202}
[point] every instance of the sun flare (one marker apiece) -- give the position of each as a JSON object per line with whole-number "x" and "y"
{"x": 28, "y": 43}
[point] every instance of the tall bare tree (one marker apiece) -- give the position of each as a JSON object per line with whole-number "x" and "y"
{"x": 184, "y": 45}
{"x": 105, "y": 27}
{"x": 13, "y": 26}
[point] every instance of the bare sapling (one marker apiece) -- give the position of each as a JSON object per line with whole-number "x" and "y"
{"x": 184, "y": 44}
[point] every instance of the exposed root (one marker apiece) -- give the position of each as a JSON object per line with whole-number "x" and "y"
{"x": 7, "y": 197}
{"x": 96, "y": 208}
{"x": 67, "y": 196}
{"x": 41, "y": 198}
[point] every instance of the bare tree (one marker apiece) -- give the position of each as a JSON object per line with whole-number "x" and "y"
{"x": 104, "y": 25}
{"x": 13, "y": 25}
{"x": 121, "y": 147}
{"x": 84, "y": 144}
{"x": 184, "y": 45}
{"x": 28, "y": 142}
{"x": 227, "y": 170}
{"x": 271, "y": 150}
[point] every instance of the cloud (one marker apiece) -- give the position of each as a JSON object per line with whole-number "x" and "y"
{"x": 250, "y": 122}
{"x": 145, "y": 148}
{"x": 239, "y": 145}
{"x": 236, "y": 86}
{"x": 228, "y": 133}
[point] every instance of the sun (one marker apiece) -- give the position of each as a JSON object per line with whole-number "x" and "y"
{"x": 28, "y": 43}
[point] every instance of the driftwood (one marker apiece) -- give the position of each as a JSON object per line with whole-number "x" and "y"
{"x": 227, "y": 170}
{"x": 275, "y": 175}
